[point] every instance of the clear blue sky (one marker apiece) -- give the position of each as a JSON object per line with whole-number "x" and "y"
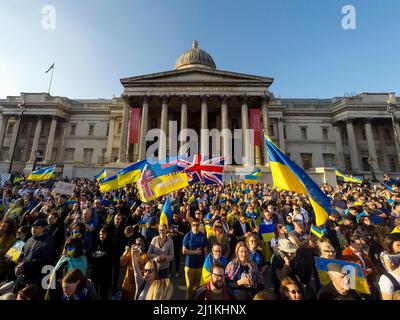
{"x": 300, "y": 43}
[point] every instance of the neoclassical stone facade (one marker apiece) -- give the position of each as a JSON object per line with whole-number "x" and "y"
{"x": 82, "y": 136}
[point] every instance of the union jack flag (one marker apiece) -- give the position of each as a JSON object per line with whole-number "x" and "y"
{"x": 204, "y": 171}
{"x": 144, "y": 183}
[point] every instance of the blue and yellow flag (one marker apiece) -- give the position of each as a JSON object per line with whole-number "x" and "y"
{"x": 42, "y": 174}
{"x": 130, "y": 174}
{"x": 317, "y": 231}
{"x": 101, "y": 175}
{"x": 152, "y": 185}
{"x": 346, "y": 177}
{"x": 109, "y": 183}
{"x": 358, "y": 282}
{"x": 253, "y": 177}
{"x": 267, "y": 233}
{"x": 289, "y": 176}
{"x": 166, "y": 213}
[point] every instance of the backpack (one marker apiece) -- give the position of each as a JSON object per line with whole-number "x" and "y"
{"x": 395, "y": 283}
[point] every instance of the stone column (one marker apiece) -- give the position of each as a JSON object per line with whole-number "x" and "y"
{"x": 245, "y": 135}
{"x": 355, "y": 159}
{"x": 264, "y": 110}
{"x": 339, "y": 147}
{"x": 61, "y": 150}
{"x": 226, "y": 143}
{"x": 143, "y": 128}
{"x": 36, "y": 138}
{"x": 257, "y": 149}
{"x": 110, "y": 138}
{"x": 203, "y": 128}
{"x": 281, "y": 134}
{"x": 3, "y": 130}
{"x": 124, "y": 133}
{"x": 371, "y": 143}
{"x": 27, "y": 141}
{"x": 13, "y": 143}
{"x": 50, "y": 142}
{"x": 162, "y": 154}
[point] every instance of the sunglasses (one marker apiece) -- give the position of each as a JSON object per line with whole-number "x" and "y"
{"x": 218, "y": 275}
{"x": 195, "y": 225}
{"x": 218, "y": 227}
{"x": 295, "y": 291}
{"x": 148, "y": 270}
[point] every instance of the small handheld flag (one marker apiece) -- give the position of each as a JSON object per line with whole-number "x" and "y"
{"x": 42, "y": 174}
{"x": 166, "y": 213}
{"x": 253, "y": 177}
{"x": 317, "y": 231}
{"x": 102, "y": 174}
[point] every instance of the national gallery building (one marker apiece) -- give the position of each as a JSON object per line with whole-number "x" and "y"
{"x": 83, "y": 136}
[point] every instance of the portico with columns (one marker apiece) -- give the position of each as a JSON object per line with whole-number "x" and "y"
{"x": 83, "y": 136}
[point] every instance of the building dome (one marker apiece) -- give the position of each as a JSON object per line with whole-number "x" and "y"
{"x": 195, "y": 57}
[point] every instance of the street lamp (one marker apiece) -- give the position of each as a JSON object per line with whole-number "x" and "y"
{"x": 371, "y": 162}
{"x": 391, "y": 108}
{"x": 22, "y": 109}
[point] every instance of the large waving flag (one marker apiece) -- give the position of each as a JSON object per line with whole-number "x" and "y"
{"x": 166, "y": 213}
{"x": 101, "y": 175}
{"x": 109, "y": 183}
{"x": 205, "y": 171}
{"x": 253, "y": 177}
{"x": 289, "y": 176}
{"x": 130, "y": 174}
{"x": 346, "y": 177}
{"x": 42, "y": 174}
{"x": 153, "y": 183}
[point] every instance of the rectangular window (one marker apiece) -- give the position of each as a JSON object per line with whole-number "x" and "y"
{"x": 306, "y": 159}
{"x": 4, "y": 153}
{"x": 325, "y": 133}
{"x": 119, "y": 128}
{"x": 388, "y": 134}
{"x": 73, "y": 129}
{"x": 329, "y": 159}
{"x": 87, "y": 156}
{"x": 235, "y": 124}
{"x": 271, "y": 130}
{"x": 393, "y": 163}
{"x": 69, "y": 154}
{"x": 347, "y": 162}
{"x": 304, "y": 133}
{"x": 365, "y": 164}
{"x": 344, "y": 134}
{"x": 108, "y": 129}
{"x": 153, "y": 123}
{"x": 284, "y": 132}
{"x": 91, "y": 130}
{"x": 10, "y": 127}
{"x": 364, "y": 134}
{"x": 114, "y": 155}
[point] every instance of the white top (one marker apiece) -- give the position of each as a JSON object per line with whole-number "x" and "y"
{"x": 385, "y": 285}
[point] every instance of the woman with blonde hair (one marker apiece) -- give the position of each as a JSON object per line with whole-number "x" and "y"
{"x": 160, "y": 290}
{"x": 243, "y": 275}
{"x": 219, "y": 236}
{"x": 326, "y": 250}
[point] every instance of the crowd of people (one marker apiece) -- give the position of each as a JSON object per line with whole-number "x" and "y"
{"x": 102, "y": 246}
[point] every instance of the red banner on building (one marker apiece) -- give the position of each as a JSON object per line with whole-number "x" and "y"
{"x": 255, "y": 124}
{"x": 134, "y": 126}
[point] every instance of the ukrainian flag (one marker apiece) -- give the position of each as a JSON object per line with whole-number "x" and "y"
{"x": 317, "y": 231}
{"x": 42, "y": 174}
{"x": 101, "y": 175}
{"x": 109, "y": 184}
{"x": 130, "y": 174}
{"x": 253, "y": 177}
{"x": 166, "y": 213}
{"x": 289, "y": 176}
{"x": 267, "y": 234}
{"x": 346, "y": 177}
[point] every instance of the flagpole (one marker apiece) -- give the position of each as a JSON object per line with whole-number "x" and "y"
{"x": 51, "y": 78}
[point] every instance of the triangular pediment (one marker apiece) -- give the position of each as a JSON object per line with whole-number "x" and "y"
{"x": 196, "y": 75}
